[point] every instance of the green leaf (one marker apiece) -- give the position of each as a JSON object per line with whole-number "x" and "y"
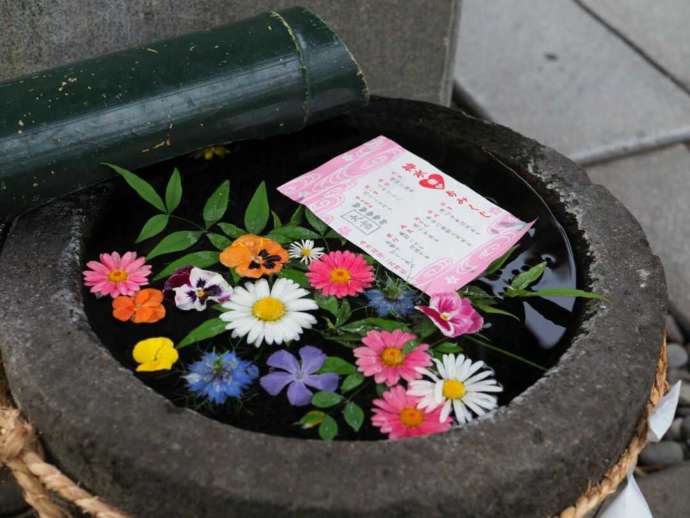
{"x": 328, "y": 428}
{"x": 217, "y": 204}
{"x": 524, "y": 279}
{"x": 201, "y": 259}
{"x": 337, "y": 366}
{"x": 447, "y": 348}
{"x": 231, "y": 230}
{"x": 297, "y": 216}
{"x": 354, "y": 416}
{"x": 380, "y": 389}
{"x": 204, "y": 331}
{"x": 344, "y": 313}
{"x": 141, "y": 186}
{"x": 477, "y": 296}
{"x": 175, "y": 242}
{"x": 503, "y": 351}
{"x": 348, "y": 340}
{"x": 498, "y": 263}
{"x": 154, "y": 226}
{"x": 367, "y": 324}
{"x": 424, "y": 329}
{"x": 323, "y": 399}
{"x": 315, "y": 222}
{"x": 236, "y": 277}
{"x": 410, "y": 346}
{"x": 332, "y": 234}
{"x": 173, "y": 192}
{"x": 277, "y": 223}
{"x": 218, "y": 240}
{"x": 289, "y": 233}
{"x": 352, "y": 381}
{"x": 329, "y": 304}
{"x": 557, "y": 292}
{"x": 311, "y": 419}
{"x": 495, "y": 311}
{"x": 295, "y": 275}
{"x": 256, "y": 215}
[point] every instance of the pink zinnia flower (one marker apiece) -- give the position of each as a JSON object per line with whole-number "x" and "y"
{"x": 398, "y": 416}
{"x": 340, "y": 274}
{"x": 452, "y": 314}
{"x": 384, "y": 359}
{"x": 114, "y": 275}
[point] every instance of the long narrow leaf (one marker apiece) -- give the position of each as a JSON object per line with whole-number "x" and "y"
{"x": 141, "y": 186}
{"x": 154, "y": 226}
{"x": 257, "y": 213}
{"x": 204, "y": 331}
{"x": 525, "y": 279}
{"x": 498, "y": 263}
{"x": 175, "y": 242}
{"x": 173, "y": 192}
{"x": 504, "y": 352}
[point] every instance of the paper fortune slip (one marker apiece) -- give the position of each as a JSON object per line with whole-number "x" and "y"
{"x": 426, "y": 227}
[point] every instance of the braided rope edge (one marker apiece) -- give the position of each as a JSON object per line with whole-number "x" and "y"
{"x": 597, "y": 493}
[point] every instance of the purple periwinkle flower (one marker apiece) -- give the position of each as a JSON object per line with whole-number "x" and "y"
{"x": 202, "y": 286}
{"x": 298, "y": 375}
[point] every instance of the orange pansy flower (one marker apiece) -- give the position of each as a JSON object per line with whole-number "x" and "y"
{"x": 253, "y": 256}
{"x": 145, "y": 307}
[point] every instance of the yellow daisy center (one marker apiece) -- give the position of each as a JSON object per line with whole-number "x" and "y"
{"x": 340, "y": 275}
{"x": 305, "y": 252}
{"x": 392, "y": 356}
{"x": 117, "y": 276}
{"x": 453, "y": 389}
{"x": 268, "y": 309}
{"x": 411, "y": 417}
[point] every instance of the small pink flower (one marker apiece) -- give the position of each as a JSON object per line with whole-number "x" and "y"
{"x": 114, "y": 275}
{"x": 397, "y": 415}
{"x": 384, "y": 359}
{"x": 452, "y": 314}
{"x": 340, "y": 274}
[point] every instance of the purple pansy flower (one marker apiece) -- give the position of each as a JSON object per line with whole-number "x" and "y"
{"x": 177, "y": 279}
{"x": 201, "y": 287}
{"x": 298, "y": 375}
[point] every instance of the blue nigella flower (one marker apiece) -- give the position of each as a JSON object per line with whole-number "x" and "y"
{"x": 398, "y": 301}
{"x": 220, "y": 376}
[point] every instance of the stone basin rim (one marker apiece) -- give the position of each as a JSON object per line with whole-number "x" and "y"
{"x": 51, "y": 354}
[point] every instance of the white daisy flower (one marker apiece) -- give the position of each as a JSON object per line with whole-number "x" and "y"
{"x": 305, "y": 251}
{"x": 274, "y": 314}
{"x": 459, "y": 385}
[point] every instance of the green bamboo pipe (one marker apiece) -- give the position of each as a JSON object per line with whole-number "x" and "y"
{"x": 263, "y": 76}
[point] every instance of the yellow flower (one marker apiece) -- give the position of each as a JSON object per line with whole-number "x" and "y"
{"x": 209, "y": 152}
{"x": 155, "y": 354}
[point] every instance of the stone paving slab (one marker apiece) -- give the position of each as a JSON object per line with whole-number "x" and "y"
{"x": 550, "y": 70}
{"x": 660, "y": 28}
{"x": 655, "y": 187}
{"x": 667, "y": 492}
{"x": 406, "y": 48}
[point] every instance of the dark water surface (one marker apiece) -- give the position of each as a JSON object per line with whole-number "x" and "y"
{"x": 542, "y": 338}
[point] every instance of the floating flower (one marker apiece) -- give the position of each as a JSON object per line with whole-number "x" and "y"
{"x": 459, "y": 386}
{"x": 276, "y": 314}
{"x": 340, "y": 273}
{"x": 298, "y": 375}
{"x": 178, "y": 278}
{"x": 155, "y": 354}
{"x": 212, "y": 151}
{"x": 146, "y": 307}
{"x": 253, "y": 256}
{"x": 392, "y": 300}
{"x": 305, "y": 251}
{"x": 383, "y": 357}
{"x": 202, "y": 286}
{"x": 452, "y": 314}
{"x": 114, "y": 275}
{"x": 220, "y": 376}
{"x": 398, "y": 415}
